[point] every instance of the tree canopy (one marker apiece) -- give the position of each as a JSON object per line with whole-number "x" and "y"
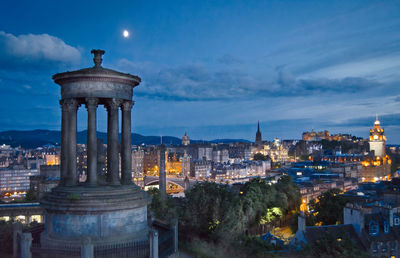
{"x": 328, "y": 208}
{"x": 215, "y": 210}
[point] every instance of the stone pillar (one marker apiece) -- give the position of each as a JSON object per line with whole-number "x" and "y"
{"x": 72, "y": 107}
{"x": 26, "y": 243}
{"x": 153, "y": 243}
{"x": 112, "y": 142}
{"x": 17, "y": 231}
{"x": 162, "y": 176}
{"x": 91, "y": 106}
{"x": 126, "y": 150}
{"x": 174, "y": 223}
{"x": 28, "y": 219}
{"x": 87, "y": 249}
{"x": 64, "y": 142}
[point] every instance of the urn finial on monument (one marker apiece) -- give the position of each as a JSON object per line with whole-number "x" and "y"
{"x": 98, "y": 53}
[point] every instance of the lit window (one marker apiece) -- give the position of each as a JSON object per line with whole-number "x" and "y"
{"x": 375, "y": 248}
{"x": 386, "y": 227}
{"x": 373, "y": 228}
{"x": 393, "y": 246}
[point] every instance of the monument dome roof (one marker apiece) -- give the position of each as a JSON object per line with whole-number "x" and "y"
{"x": 97, "y": 71}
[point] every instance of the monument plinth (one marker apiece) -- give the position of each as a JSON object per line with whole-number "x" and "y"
{"x": 104, "y": 213}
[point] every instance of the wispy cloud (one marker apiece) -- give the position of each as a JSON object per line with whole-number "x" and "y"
{"x": 196, "y": 82}
{"x": 229, "y": 59}
{"x": 382, "y": 68}
{"x": 34, "y": 51}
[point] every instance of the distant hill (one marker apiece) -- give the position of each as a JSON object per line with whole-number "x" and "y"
{"x": 38, "y": 138}
{"x": 228, "y": 140}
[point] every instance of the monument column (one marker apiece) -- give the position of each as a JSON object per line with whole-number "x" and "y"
{"x": 126, "y": 152}
{"x": 162, "y": 174}
{"x": 112, "y": 142}
{"x": 72, "y": 107}
{"x": 91, "y": 106}
{"x": 64, "y": 143}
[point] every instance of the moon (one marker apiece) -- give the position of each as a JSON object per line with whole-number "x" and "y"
{"x": 125, "y": 33}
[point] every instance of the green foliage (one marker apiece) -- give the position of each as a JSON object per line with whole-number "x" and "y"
{"x": 334, "y": 246}
{"x": 272, "y": 214}
{"x": 395, "y": 162}
{"x": 214, "y": 211}
{"x": 328, "y": 209}
{"x": 246, "y": 247}
{"x": 260, "y": 156}
{"x": 304, "y": 157}
{"x": 162, "y": 209}
{"x": 211, "y": 210}
{"x": 73, "y": 196}
{"x": 30, "y": 196}
{"x": 286, "y": 186}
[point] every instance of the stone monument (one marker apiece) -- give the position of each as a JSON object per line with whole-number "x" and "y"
{"x": 102, "y": 213}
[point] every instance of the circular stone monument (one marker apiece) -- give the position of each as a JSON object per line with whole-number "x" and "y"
{"x": 102, "y": 213}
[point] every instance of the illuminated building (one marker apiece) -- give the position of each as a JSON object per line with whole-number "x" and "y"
{"x": 52, "y": 159}
{"x": 151, "y": 161}
{"x": 377, "y": 140}
{"x": 220, "y": 155}
{"x": 315, "y": 136}
{"x": 187, "y": 165}
{"x": 185, "y": 140}
{"x": 377, "y": 167}
{"x": 202, "y": 169}
{"x": 16, "y": 179}
{"x": 276, "y": 151}
{"x": 205, "y": 153}
{"x": 325, "y": 135}
{"x": 137, "y": 164}
{"x": 173, "y": 166}
{"x": 258, "y": 134}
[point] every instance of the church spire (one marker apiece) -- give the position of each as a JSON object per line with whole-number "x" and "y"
{"x": 258, "y": 134}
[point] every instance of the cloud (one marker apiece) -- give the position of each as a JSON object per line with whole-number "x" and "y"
{"x": 397, "y": 99}
{"x": 382, "y": 68}
{"x": 228, "y": 59}
{"x": 196, "y": 82}
{"x": 35, "y": 51}
{"x": 386, "y": 120}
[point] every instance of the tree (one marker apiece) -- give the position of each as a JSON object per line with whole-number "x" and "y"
{"x": 214, "y": 211}
{"x": 328, "y": 208}
{"x": 162, "y": 209}
{"x": 211, "y": 210}
{"x": 260, "y": 156}
{"x": 285, "y": 185}
{"x": 340, "y": 245}
{"x": 30, "y": 196}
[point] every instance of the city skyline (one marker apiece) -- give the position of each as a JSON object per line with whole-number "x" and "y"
{"x": 212, "y": 69}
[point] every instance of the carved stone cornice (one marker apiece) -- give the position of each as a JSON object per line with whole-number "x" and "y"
{"x": 103, "y": 78}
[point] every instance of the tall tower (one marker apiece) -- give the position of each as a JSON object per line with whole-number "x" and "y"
{"x": 185, "y": 140}
{"x": 258, "y": 134}
{"x": 377, "y": 139}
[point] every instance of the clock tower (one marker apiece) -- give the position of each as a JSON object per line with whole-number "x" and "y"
{"x": 377, "y": 139}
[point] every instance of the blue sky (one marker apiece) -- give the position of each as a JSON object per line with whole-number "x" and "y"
{"x": 212, "y": 68}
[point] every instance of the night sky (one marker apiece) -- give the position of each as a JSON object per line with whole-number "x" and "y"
{"x": 211, "y": 68}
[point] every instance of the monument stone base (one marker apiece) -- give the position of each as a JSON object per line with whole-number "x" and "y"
{"x": 100, "y": 214}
